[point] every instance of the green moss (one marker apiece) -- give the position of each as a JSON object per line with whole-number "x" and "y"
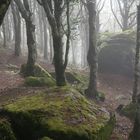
{"x": 41, "y": 77}
{"x": 6, "y": 132}
{"x": 39, "y": 81}
{"x": 38, "y": 71}
{"x": 82, "y": 77}
{"x": 82, "y": 85}
{"x": 130, "y": 35}
{"x": 101, "y": 96}
{"x": 105, "y": 133}
{"x": 130, "y": 110}
{"x": 61, "y": 114}
{"x": 45, "y": 138}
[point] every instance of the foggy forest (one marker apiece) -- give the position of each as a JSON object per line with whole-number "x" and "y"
{"x": 69, "y": 70}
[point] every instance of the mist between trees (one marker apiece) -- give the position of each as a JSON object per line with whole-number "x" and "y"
{"x": 73, "y": 34}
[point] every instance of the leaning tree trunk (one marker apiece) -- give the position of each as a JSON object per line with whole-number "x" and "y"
{"x": 137, "y": 61}
{"x": 91, "y": 92}
{"x": 4, "y": 4}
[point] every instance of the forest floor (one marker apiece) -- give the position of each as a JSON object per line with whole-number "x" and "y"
{"x": 117, "y": 90}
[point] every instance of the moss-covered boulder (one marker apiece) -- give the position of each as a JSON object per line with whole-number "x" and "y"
{"x": 117, "y": 53}
{"x": 6, "y": 132}
{"x": 59, "y": 114}
{"x": 77, "y": 80}
{"x": 39, "y": 81}
{"x": 41, "y": 77}
{"x": 38, "y": 71}
{"x": 70, "y": 77}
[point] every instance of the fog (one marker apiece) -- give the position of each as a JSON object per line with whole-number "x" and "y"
{"x": 69, "y": 69}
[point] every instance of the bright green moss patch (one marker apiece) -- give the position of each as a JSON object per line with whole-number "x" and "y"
{"x": 39, "y": 81}
{"x": 130, "y": 110}
{"x": 46, "y": 138}
{"x": 61, "y": 114}
{"x": 6, "y": 132}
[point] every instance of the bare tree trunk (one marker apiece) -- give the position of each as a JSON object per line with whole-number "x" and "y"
{"x": 54, "y": 12}
{"x": 46, "y": 37}
{"x": 4, "y": 35}
{"x": 137, "y": 61}
{"x": 30, "y": 32}
{"x": 46, "y": 57}
{"x": 135, "y": 135}
{"x": 73, "y": 52}
{"x": 32, "y": 52}
{"x": 91, "y": 92}
{"x": 51, "y": 45}
{"x": 17, "y": 29}
{"x": 41, "y": 28}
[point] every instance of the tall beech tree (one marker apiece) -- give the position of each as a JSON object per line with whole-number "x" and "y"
{"x": 17, "y": 28}
{"x": 136, "y": 98}
{"x": 54, "y": 10}
{"x": 137, "y": 60}
{"x": 27, "y": 15}
{"x": 92, "y": 92}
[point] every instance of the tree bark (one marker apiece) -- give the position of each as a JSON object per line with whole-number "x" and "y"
{"x": 91, "y": 92}
{"x": 54, "y": 12}
{"x": 135, "y": 135}
{"x": 45, "y": 43}
{"x": 4, "y": 35}
{"x": 30, "y": 32}
{"x": 32, "y": 52}
{"x": 17, "y": 29}
{"x": 58, "y": 60}
{"x": 137, "y": 61}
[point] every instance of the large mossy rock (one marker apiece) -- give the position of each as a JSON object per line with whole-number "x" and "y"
{"x": 59, "y": 114}
{"x": 38, "y": 71}
{"x": 39, "y": 81}
{"x": 117, "y": 52}
{"x": 77, "y": 80}
{"x": 41, "y": 77}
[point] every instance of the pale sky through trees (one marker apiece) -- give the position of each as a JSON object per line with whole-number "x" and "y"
{"x": 107, "y": 19}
